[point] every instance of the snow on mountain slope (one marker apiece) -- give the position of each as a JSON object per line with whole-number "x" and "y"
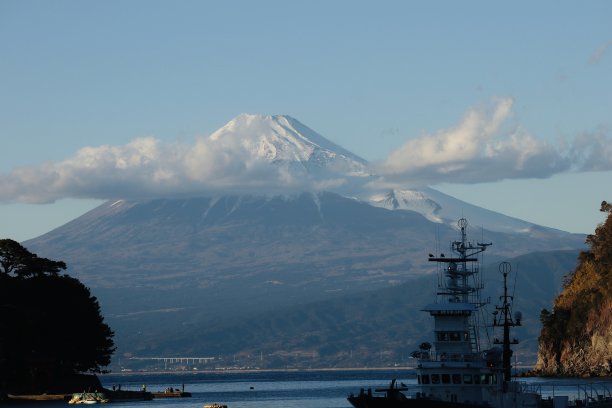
{"x": 451, "y": 208}
{"x": 283, "y": 140}
{"x": 408, "y": 200}
{"x": 441, "y": 208}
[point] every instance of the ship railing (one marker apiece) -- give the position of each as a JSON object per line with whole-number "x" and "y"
{"x": 453, "y": 357}
{"x": 592, "y": 394}
{"x": 524, "y": 387}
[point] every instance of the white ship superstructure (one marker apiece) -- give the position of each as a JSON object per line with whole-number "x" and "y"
{"x": 457, "y": 369}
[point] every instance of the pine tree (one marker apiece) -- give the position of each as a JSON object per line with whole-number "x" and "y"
{"x": 51, "y": 327}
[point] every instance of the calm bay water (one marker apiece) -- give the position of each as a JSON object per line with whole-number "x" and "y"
{"x": 253, "y": 390}
{"x": 327, "y": 389}
{"x": 319, "y": 389}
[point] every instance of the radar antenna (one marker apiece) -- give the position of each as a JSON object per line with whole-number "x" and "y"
{"x": 506, "y": 321}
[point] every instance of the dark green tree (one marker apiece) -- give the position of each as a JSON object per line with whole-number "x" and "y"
{"x": 51, "y": 327}
{"x": 17, "y": 260}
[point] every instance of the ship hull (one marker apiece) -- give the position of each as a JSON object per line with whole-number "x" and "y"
{"x": 368, "y": 401}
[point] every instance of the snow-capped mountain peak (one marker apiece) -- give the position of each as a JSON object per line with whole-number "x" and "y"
{"x": 287, "y": 143}
{"x": 282, "y": 139}
{"x": 412, "y": 200}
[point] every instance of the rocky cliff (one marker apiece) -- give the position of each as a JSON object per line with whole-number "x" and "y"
{"x": 576, "y": 337}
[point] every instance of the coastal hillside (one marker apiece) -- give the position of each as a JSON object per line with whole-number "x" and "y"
{"x": 576, "y": 337}
{"x": 379, "y": 327}
{"x": 164, "y": 264}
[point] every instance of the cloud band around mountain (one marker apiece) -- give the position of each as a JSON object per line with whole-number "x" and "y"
{"x": 146, "y": 167}
{"x": 486, "y": 145}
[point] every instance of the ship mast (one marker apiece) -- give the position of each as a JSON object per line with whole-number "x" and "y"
{"x": 506, "y": 321}
{"x": 461, "y": 296}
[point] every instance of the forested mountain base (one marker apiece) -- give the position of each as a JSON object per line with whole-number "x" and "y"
{"x": 576, "y": 338}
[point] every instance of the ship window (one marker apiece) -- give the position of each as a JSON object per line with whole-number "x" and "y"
{"x": 467, "y": 378}
{"x": 418, "y": 379}
{"x": 488, "y": 379}
{"x": 435, "y": 378}
{"x": 425, "y": 378}
{"x": 442, "y": 336}
{"x": 452, "y": 336}
{"x": 456, "y": 378}
{"x": 476, "y": 379}
{"x": 445, "y": 378}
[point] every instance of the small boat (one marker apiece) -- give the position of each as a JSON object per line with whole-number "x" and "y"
{"x": 88, "y": 398}
{"x": 457, "y": 371}
{"x": 128, "y": 395}
{"x": 171, "y": 393}
{"x": 215, "y": 405}
{"x": 32, "y": 398}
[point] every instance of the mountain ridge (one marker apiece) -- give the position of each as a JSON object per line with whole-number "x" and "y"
{"x": 368, "y": 328}
{"x": 163, "y": 264}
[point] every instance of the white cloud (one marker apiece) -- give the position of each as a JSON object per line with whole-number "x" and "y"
{"x": 592, "y": 151}
{"x": 146, "y": 168}
{"x": 487, "y": 145}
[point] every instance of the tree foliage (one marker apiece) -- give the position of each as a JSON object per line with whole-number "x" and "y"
{"x": 50, "y": 324}
{"x": 583, "y": 307}
{"x": 17, "y": 260}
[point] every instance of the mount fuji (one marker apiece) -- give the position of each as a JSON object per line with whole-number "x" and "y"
{"x": 177, "y": 265}
{"x": 283, "y": 140}
{"x": 287, "y": 144}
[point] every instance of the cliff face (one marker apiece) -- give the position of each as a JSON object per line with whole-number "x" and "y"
{"x": 576, "y": 338}
{"x": 587, "y": 354}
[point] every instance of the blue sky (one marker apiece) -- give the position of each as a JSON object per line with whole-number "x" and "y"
{"x": 382, "y": 79}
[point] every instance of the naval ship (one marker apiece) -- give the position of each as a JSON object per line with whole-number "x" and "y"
{"x": 456, "y": 371}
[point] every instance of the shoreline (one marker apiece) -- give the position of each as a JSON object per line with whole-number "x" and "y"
{"x": 282, "y": 370}
{"x": 525, "y": 372}
{"x": 254, "y": 370}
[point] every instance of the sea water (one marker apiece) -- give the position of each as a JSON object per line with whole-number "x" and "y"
{"x": 304, "y": 389}
{"x": 295, "y": 389}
